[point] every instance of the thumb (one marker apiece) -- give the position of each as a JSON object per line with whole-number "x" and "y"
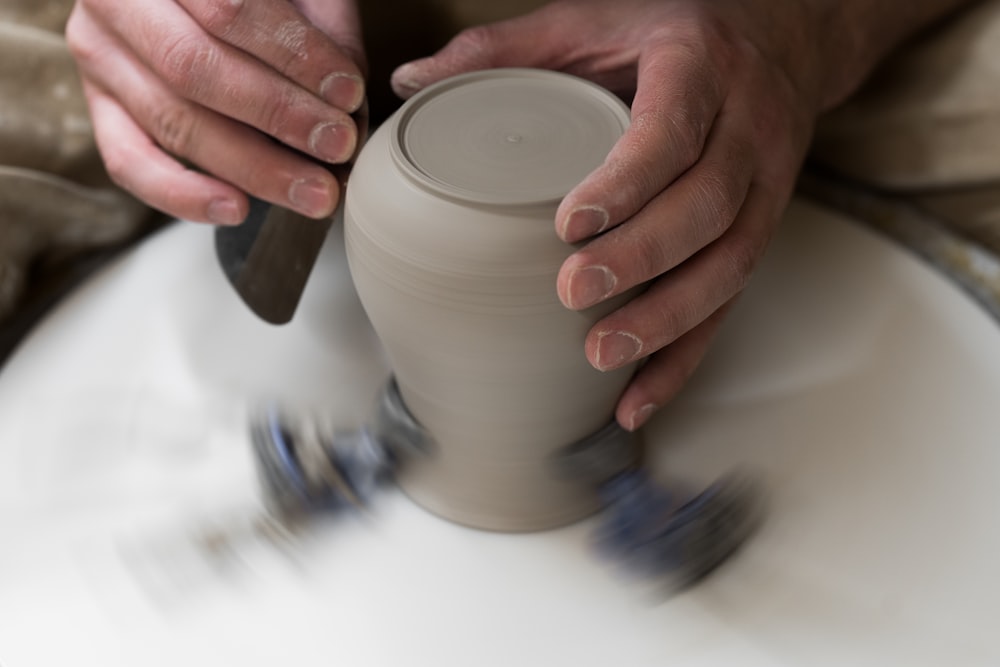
{"x": 519, "y": 42}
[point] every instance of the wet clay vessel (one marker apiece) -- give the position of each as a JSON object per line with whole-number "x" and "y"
{"x": 451, "y": 242}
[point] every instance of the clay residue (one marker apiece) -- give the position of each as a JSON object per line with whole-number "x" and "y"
{"x": 292, "y": 36}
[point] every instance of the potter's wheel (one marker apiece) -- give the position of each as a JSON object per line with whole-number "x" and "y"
{"x": 859, "y": 382}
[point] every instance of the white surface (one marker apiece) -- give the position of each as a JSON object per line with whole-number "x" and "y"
{"x": 861, "y": 385}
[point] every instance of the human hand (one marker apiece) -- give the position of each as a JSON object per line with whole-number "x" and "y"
{"x": 725, "y": 97}
{"x": 244, "y": 90}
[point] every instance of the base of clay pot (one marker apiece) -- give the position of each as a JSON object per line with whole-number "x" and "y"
{"x": 305, "y": 469}
{"x": 539, "y": 494}
{"x": 420, "y": 488}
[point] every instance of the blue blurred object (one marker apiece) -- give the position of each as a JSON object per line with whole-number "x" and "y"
{"x": 674, "y": 537}
{"x": 660, "y": 534}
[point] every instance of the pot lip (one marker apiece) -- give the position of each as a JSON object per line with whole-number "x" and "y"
{"x": 404, "y": 161}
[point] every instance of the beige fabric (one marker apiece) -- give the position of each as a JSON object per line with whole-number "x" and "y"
{"x": 930, "y": 117}
{"x": 48, "y": 15}
{"x": 43, "y": 117}
{"x": 927, "y": 125}
{"x": 55, "y": 198}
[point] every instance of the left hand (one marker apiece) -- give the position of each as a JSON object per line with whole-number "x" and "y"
{"x": 725, "y": 98}
{"x": 256, "y": 94}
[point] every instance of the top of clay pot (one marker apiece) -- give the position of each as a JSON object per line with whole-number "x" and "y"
{"x": 507, "y": 136}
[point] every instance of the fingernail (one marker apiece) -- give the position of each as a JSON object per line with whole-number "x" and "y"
{"x": 404, "y": 83}
{"x": 311, "y": 197}
{"x": 344, "y": 91}
{"x": 589, "y": 285}
{"x": 640, "y": 416}
{"x": 333, "y": 142}
{"x": 224, "y": 212}
{"x": 615, "y": 349}
{"x": 583, "y": 222}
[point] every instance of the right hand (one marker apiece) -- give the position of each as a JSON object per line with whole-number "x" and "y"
{"x": 245, "y": 90}
{"x": 723, "y": 105}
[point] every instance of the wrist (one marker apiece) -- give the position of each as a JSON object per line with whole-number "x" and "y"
{"x": 853, "y": 36}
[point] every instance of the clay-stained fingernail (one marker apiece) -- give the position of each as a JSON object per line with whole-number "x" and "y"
{"x": 333, "y": 141}
{"x": 641, "y": 416}
{"x": 344, "y": 91}
{"x": 589, "y": 285}
{"x": 584, "y": 222}
{"x": 405, "y": 81}
{"x": 224, "y": 212}
{"x": 615, "y": 349}
{"x": 312, "y": 197}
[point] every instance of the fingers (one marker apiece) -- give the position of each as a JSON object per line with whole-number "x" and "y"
{"x": 675, "y": 320}
{"x": 677, "y": 99}
{"x": 679, "y": 221}
{"x": 197, "y": 67}
{"x": 128, "y": 99}
{"x": 162, "y": 181}
{"x": 141, "y": 104}
{"x": 666, "y": 372}
{"x": 681, "y": 299}
{"x": 280, "y": 36}
{"x": 524, "y": 41}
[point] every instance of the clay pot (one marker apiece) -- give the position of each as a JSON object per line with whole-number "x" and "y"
{"x": 451, "y": 242}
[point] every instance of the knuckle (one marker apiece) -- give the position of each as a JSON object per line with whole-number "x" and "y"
{"x": 173, "y": 127}
{"x": 274, "y": 115}
{"x": 688, "y": 63}
{"x": 701, "y": 31}
{"x": 677, "y": 129}
{"x": 219, "y": 16}
{"x": 292, "y": 40}
{"x": 672, "y": 320}
{"x": 636, "y": 182}
{"x": 652, "y": 258}
{"x": 476, "y": 43}
{"x": 768, "y": 126}
{"x": 186, "y": 59}
{"x": 715, "y": 203}
{"x": 85, "y": 52}
{"x": 293, "y": 63}
{"x": 685, "y": 135}
{"x": 79, "y": 47}
{"x": 778, "y": 131}
{"x": 738, "y": 261}
{"x": 629, "y": 178}
{"x": 80, "y": 41}
{"x": 118, "y": 167}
